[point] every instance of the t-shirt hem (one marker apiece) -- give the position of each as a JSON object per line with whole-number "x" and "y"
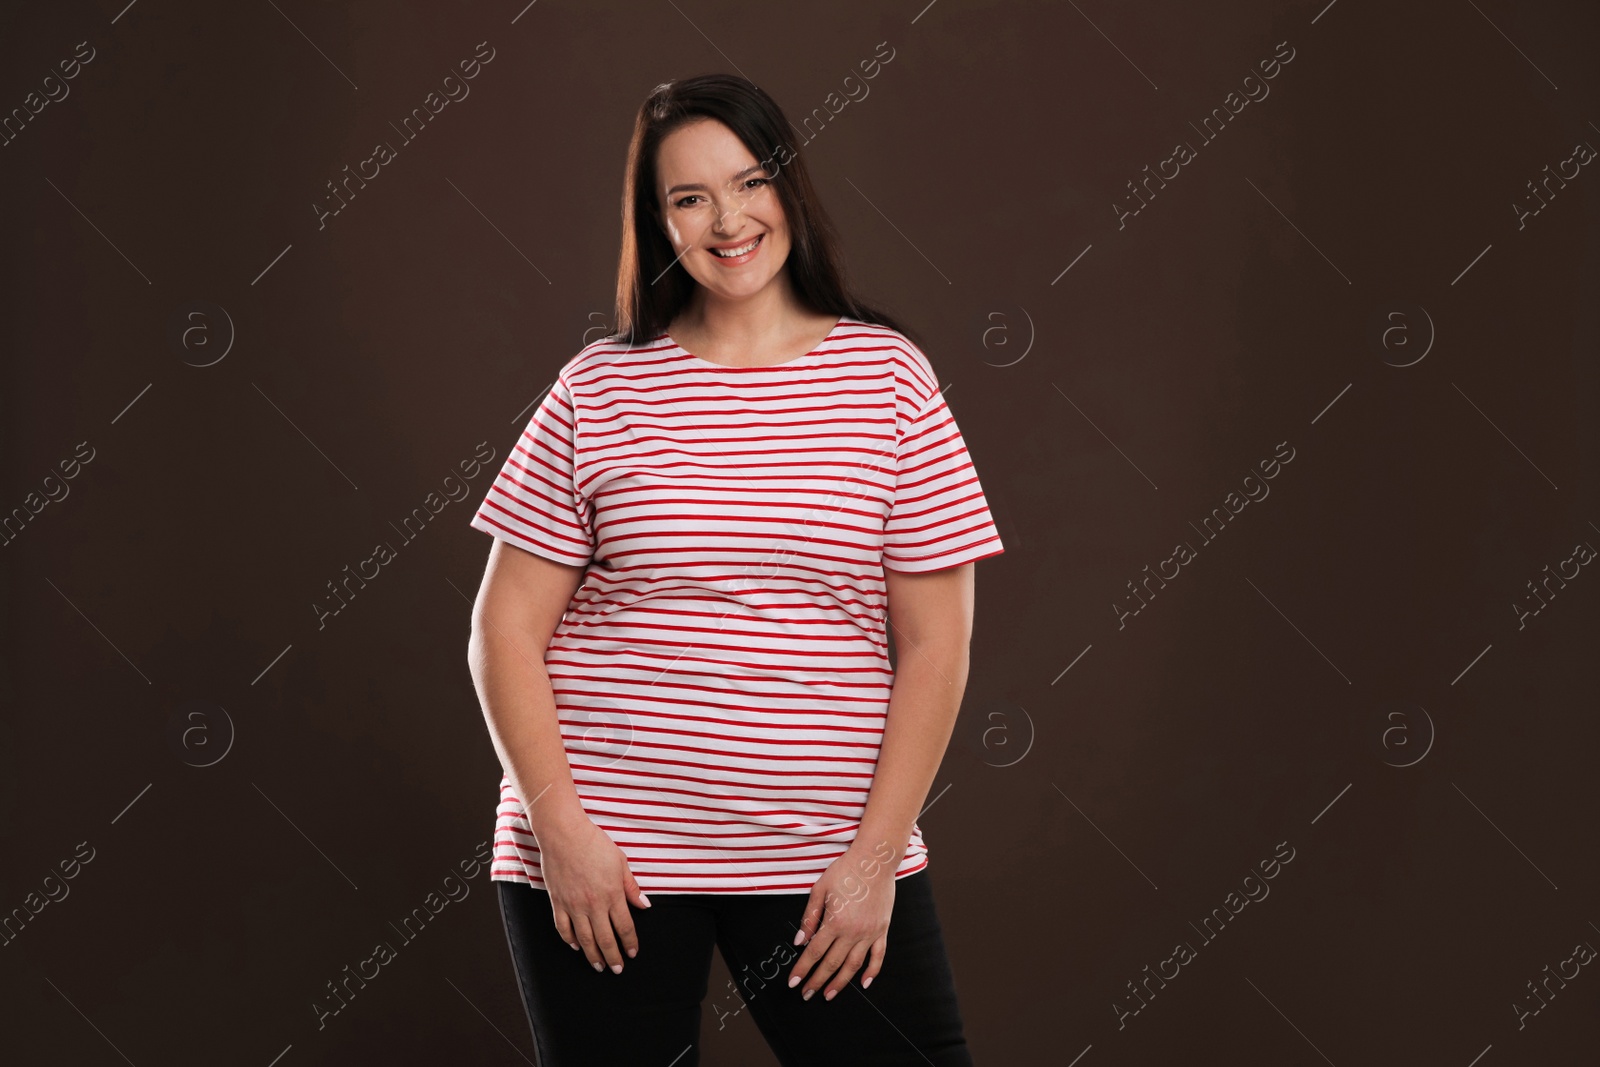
{"x": 527, "y": 544}
{"x": 523, "y": 879}
{"x": 941, "y": 563}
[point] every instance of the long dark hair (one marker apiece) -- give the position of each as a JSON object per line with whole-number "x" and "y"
{"x": 647, "y": 298}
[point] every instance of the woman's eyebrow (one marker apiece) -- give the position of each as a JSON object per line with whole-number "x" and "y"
{"x": 697, "y": 185}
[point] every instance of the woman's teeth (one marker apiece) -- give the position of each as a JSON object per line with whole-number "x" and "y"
{"x": 733, "y": 253}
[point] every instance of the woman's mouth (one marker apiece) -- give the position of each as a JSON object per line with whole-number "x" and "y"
{"x": 741, "y": 254}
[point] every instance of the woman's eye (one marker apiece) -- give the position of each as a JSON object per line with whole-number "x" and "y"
{"x": 685, "y": 202}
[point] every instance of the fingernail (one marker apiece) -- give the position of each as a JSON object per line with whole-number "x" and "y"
{"x": 598, "y": 967}
{"x": 616, "y": 968}
{"x": 799, "y": 936}
{"x": 794, "y": 980}
{"x": 644, "y": 898}
{"x": 572, "y": 944}
{"x": 807, "y": 994}
{"x": 866, "y": 981}
{"x": 632, "y": 952}
{"x": 829, "y": 994}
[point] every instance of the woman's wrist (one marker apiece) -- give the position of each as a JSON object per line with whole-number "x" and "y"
{"x": 552, "y": 819}
{"x": 875, "y": 852}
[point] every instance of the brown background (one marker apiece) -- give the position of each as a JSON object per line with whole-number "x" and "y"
{"x": 1083, "y": 819}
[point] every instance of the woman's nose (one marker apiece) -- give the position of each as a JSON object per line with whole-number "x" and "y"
{"x": 730, "y": 210}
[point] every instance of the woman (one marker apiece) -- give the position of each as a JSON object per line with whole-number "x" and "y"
{"x": 680, "y": 642}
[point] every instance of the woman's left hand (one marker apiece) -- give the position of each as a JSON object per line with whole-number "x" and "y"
{"x": 846, "y": 917}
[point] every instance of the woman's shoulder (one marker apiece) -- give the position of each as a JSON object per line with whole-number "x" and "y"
{"x": 594, "y": 363}
{"x": 915, "y": 377}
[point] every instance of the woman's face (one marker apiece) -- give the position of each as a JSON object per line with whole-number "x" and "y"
{"x": 713, "y": 194}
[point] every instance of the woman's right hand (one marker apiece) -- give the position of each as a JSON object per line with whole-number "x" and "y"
{"x": 590, "y": 887}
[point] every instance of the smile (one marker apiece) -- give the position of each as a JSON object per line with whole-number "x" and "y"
{"x": 740, "y": 254}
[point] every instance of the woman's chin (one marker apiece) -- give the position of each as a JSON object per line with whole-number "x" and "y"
{"x": 735, "y": 288}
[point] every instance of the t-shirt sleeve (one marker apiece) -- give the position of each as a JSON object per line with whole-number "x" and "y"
{"x": 534, "y": 502}
{"x": 939, "y": 516}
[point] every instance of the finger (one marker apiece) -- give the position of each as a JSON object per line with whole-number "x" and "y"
{"x": 605, "y": 940}
{"x": 880, "y": 948}
{"x": 808, "y": 959}
{"x": 627, "y": 935}
{"x": 810, "y": 919}
{"x": 830, "y": 963}
{"x": 634, "y": 893}
{"x": 564, "y": 927}
{"x": 586, "y": 939}
{"x": 852, "y": 964}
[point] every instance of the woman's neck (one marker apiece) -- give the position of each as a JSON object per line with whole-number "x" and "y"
{"x": 769, "y": 325}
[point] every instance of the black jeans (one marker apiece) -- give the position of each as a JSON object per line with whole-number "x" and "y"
{"x": 649, "y": 1015}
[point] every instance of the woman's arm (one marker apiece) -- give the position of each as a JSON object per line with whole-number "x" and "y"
{"x": 519, "y": 606}
{"x": 930, "y": 616}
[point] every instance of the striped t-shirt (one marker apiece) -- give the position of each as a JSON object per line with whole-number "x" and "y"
{"x": 721, "y": 674}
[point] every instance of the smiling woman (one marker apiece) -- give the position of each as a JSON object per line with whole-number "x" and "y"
{"x": 707, "y": 528}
